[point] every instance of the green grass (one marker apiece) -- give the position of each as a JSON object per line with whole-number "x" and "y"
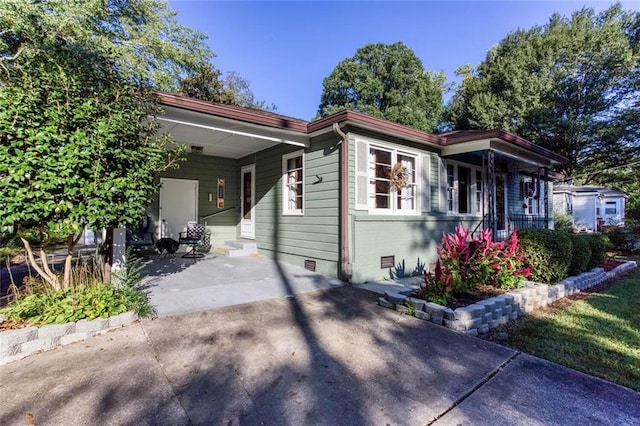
{"x": 598, "y": 333}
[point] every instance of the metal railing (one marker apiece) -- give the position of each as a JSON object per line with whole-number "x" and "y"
{"x": 526, "y": 221}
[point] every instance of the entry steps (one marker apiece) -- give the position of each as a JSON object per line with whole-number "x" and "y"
{"x": 236, "y": 248}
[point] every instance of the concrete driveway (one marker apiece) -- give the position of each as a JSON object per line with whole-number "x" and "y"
{"x": 323, "y": 358}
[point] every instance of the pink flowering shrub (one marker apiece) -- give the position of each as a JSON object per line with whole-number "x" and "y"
{"x": 466, "y": 263}
{"x": 437, "y": 286}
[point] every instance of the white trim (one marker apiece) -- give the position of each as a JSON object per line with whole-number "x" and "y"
{"x": 394, "y": 150}
{"x": 471, "y": 188}
{"x": 285, "y": 191}
{"x": 235, "y": 132}
{"x": 248, "y": 226}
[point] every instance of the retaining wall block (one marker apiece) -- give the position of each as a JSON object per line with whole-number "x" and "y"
{"x": 436, "y": 319}
{"x": 493, "y": 324}
{"x": 394, "y": 297}
{"x": 423, "y": 315}
{"x": 434, "y": 309}
{"x": 53, "y": 331}
{"x": 515, "y": 314}
{"x": 401, "y": 308}
{"x": 517, "y": 296}
{"x": 448, "y": 313}
{"x": 473, "y": 332}
{"x": 478, "y": 310}
{"x": 84, "y": 326}
{"x": 486, "y": 318}
{"x": 122, "y": 319}
{"x": 39, "y": 345}
{"x": 459, "y": 325}
{"x": 483, "y": 329}
{"x": 9, "y": 350}
{"x": 507, "y": 297}
{"x": 477, "y": 322}
{"x": 499, "y": 302}
{"x": 73, "y": 338}
{"x": 384, "y": 302}
{"x": 418, "y": 303}
{"x": 507, "y": 310}
{"x": 465, "y": 313}
{"x": 497, "y": 313}
{"x": 503, "y": 319}
{"x": 17, "y": 337}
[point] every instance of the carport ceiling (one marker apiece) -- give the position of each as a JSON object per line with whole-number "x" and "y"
{"x": 223, "y": 137}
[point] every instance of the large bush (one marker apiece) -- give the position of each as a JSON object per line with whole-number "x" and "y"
{"x": 599, "y": 244}
{"x": 547, "y": 253}
{"x": 580, "y": 255}
{"x": 622, "y": 238}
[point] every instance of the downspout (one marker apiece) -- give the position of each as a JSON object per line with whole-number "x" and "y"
{"x": 344, "y": 271}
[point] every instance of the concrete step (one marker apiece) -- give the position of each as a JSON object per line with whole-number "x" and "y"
{"x": 236, "y": 248}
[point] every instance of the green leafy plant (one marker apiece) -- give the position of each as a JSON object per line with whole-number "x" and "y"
{"x": 411, "y": 308}
{"x": 547, "y": 253}
{"x": 580, "y": 255}
{"x": 599, "y": 244}
{"x": 437, "y": 286}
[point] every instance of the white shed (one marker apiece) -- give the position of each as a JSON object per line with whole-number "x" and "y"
{"x": 590, "y": 206}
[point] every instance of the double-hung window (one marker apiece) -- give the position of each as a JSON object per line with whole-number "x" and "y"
{"x": 393, "y": 186}
{"x": 293, "y": 183}
{"x": 464, "y": 189}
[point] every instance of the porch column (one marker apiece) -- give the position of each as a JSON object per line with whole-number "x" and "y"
{"x": 491, "y": 177}
{"x": 546, "y": 198}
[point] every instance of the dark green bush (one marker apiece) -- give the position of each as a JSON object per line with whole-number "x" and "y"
{"x": 580, "y": 255}
{"x": 547, "y": 253}
{"x": 599, "y": 245}
{"x": 563, "y": 222}
{"x": 622, "y": 238}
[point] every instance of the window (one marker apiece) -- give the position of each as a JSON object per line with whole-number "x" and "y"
{"x": 464, "y": 189}
{"x": 383, "y": 194}
{"x": 611, "y": 208}
{"x": 293, "y": 180}
{"x": 532, "y": 195}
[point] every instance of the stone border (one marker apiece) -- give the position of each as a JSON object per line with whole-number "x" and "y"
{"x": 487, "y": 314}
{"x": 22, "y": 342}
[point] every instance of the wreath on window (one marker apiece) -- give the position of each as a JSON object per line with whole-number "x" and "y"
{"x": 399, "y": 176}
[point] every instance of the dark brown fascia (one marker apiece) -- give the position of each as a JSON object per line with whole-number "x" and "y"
{"x": 508, "y": 137}
{"x": 348, "y": 117}
{"x": 233, "y": 112}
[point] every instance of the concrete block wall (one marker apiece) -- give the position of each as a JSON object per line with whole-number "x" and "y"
{"x": 487, "y": 314}
{"x": 22, "y": 342}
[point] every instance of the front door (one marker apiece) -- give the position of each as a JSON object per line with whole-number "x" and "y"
{"x": 178, "y": 205}
{"x": 501, "y": 207}
{"x": 247, "y": 202}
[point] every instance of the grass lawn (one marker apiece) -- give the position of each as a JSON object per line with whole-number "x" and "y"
{"x": 596, "y": 333}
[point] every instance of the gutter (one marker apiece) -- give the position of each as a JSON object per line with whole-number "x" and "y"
{"x": 344, "y": 271}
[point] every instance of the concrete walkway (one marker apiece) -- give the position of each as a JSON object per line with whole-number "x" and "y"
{"x": 322, "y": 358}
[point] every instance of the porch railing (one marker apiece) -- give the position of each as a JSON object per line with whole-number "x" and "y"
{"x": 526, "y": 221}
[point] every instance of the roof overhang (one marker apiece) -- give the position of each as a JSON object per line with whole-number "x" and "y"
{"x": 223, "y": 131}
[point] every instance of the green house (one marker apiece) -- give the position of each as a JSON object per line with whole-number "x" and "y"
{"x": 348, "y": 195}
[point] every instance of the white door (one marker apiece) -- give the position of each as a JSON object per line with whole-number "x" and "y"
{"x": 178, "y": 205}
{"x": 247, "y": 202}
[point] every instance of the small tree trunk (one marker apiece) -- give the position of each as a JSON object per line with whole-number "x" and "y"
{"x": 42, "y": 270}
{"x": 67, "y": 262}
{"x": 107, "y": 248}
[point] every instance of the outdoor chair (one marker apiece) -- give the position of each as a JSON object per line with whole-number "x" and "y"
{"x": 141, "y": 238}
{"x": 195, "y": 236}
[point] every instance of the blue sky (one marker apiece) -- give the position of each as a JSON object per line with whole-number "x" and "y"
{"x": 285, "y": 49}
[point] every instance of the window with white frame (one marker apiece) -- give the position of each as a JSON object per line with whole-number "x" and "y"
{"x": 393, "y": 185}
{"x": 464, "y": 189}
{"x": 611, "y": 207}
{"x": 293, "y": 183}
{"x": 532, "y": 194}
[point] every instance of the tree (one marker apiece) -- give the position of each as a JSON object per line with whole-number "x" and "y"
{"x": 570, "y": 85}
{"x": 386, "y": 81}
{"x": 206, "y": 83}
{"x": 77, "y": 113}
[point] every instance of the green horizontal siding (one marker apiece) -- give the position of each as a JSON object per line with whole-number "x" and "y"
{"x": 313, "y": 235}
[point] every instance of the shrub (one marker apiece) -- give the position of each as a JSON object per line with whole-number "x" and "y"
{"x": 622, "y": 238}
{"x": 599, "y": 244}
{"x": 88, "y": 298}
{"x": 437, "y": 286}
{"x": 547, "y": 253}
{"x": 563, "y": 222}
{"x": 580, "y": 255}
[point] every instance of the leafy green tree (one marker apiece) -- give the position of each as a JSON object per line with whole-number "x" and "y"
{"x": 386, "y": 81}
{"x": 207, "y": 83}
{"x": 570, "y": 85}
{"x": 77, "y": 128}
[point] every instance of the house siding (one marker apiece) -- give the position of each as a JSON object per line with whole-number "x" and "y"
{"x": 206, "y": 169}
{"x": 313, "y": 235}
